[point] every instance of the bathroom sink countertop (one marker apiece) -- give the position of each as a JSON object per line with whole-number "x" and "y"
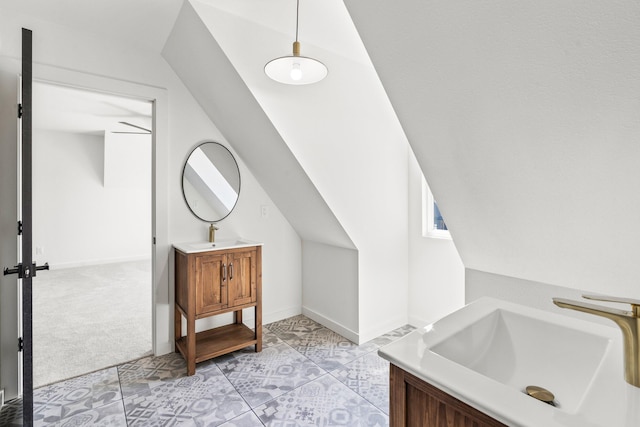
{"x": 195, "y": 247}
{"x": 488, "y": 352}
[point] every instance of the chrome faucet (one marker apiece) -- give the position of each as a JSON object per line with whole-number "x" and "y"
{"x": 628, "y": 321}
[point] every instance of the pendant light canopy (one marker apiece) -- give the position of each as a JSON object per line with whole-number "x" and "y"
{"x": 296, "y": 69}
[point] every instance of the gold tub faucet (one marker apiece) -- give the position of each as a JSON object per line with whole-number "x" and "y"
{"x": 628, "y": 321}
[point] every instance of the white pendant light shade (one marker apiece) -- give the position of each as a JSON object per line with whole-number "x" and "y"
{"x": 296, "y": 69}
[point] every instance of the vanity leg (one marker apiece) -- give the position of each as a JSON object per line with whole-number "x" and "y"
{"x": 258, "y": 328}
{"x": 191, "y": 344}
{"x": 238, "y": 315}
{"x": 177, "y": 326}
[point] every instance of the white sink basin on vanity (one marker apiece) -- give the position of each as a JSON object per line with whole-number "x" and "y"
{"x": 211, "y": 279}
{"x": 485, "y": 355}
{"x": 195, "y": 247}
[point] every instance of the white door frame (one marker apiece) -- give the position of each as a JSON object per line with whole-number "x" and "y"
{"x": 162, "y": 328}
{"x": 162, "y": 340}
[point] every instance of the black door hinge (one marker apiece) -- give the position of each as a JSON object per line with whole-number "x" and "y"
{"x": 19, "y": 228}
{"x": 20, "y": 344}
{"x": 19, "y": 111}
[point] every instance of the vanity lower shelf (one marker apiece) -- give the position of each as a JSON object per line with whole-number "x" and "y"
{"x": 218, "y": 341}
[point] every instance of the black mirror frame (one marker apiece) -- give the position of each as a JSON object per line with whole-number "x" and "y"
{"x": 182, "y": 181}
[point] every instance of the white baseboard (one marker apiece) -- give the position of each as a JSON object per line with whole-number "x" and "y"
{"x": 165, "y": 348}
{"x": 63, "y": 265}
{"x": 382, "y": 328}
{"x": 274, "y": 316}
{"x": 248, "y": 316}
{"x": 334, "y": 326}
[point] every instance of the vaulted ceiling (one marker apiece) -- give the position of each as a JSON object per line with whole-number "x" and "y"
{"x": 525, "y": 118}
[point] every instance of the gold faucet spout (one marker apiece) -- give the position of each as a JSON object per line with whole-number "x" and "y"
{"x": 628, "y": 321}
{"x": 610, "y": 313}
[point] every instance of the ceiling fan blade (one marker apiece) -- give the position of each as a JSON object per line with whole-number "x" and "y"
{"x": 134, "y": 133}
{"x": 135, "y": 126}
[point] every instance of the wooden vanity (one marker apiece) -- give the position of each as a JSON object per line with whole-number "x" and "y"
{"x": 473, "y": 368}
{"x": 414, "y": 402}
{"x": 211, "y": 280}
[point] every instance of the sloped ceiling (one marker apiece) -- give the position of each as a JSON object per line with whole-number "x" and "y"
{"x": 190, "y": 50}
{"x": 525, "y": 118}
{"x": 342, "y": 131}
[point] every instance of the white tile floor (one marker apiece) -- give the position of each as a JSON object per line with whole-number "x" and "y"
{"x": 306, "y": 375}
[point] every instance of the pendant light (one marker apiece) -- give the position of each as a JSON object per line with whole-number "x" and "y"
{"x": 296, "y": 69}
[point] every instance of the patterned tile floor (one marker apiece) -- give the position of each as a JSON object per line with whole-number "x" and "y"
{"x": 306, "y": 375}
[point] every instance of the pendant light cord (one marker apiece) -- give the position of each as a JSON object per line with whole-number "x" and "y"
{"x": 297, "y": 14}
{"x": 296, "y": 69}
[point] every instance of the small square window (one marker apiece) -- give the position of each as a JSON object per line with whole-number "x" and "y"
{"x": 433, "y": 224}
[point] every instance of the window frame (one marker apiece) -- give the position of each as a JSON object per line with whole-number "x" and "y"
{"x": 428, "y": 213}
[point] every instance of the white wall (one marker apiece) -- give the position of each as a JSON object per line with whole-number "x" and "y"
{"x": 328, "y": 294}
{"x": 526, "y": 292}
{"x": 90, "y": 204}
{"x": 436, "y": 272}
{"x": 60, "y": 53}
{"x": 341, "y": 133}
{"x": 281, "y": 255}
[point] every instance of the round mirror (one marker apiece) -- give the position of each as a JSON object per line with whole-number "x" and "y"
{"x": 211, "y": 181}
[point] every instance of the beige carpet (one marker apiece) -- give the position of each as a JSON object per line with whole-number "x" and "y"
{"x": 90, "y": 318}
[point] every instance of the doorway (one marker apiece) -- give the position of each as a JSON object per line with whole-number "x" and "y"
{"x": 92, "y": 215}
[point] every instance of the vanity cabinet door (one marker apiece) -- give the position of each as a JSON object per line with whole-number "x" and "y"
{"x": 242, "y": 281}
{"x": 211, "y": 283}
{"x": 414, "y": 402}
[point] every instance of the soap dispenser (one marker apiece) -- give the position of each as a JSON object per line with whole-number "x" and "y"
{"x": 212, "y": 233}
